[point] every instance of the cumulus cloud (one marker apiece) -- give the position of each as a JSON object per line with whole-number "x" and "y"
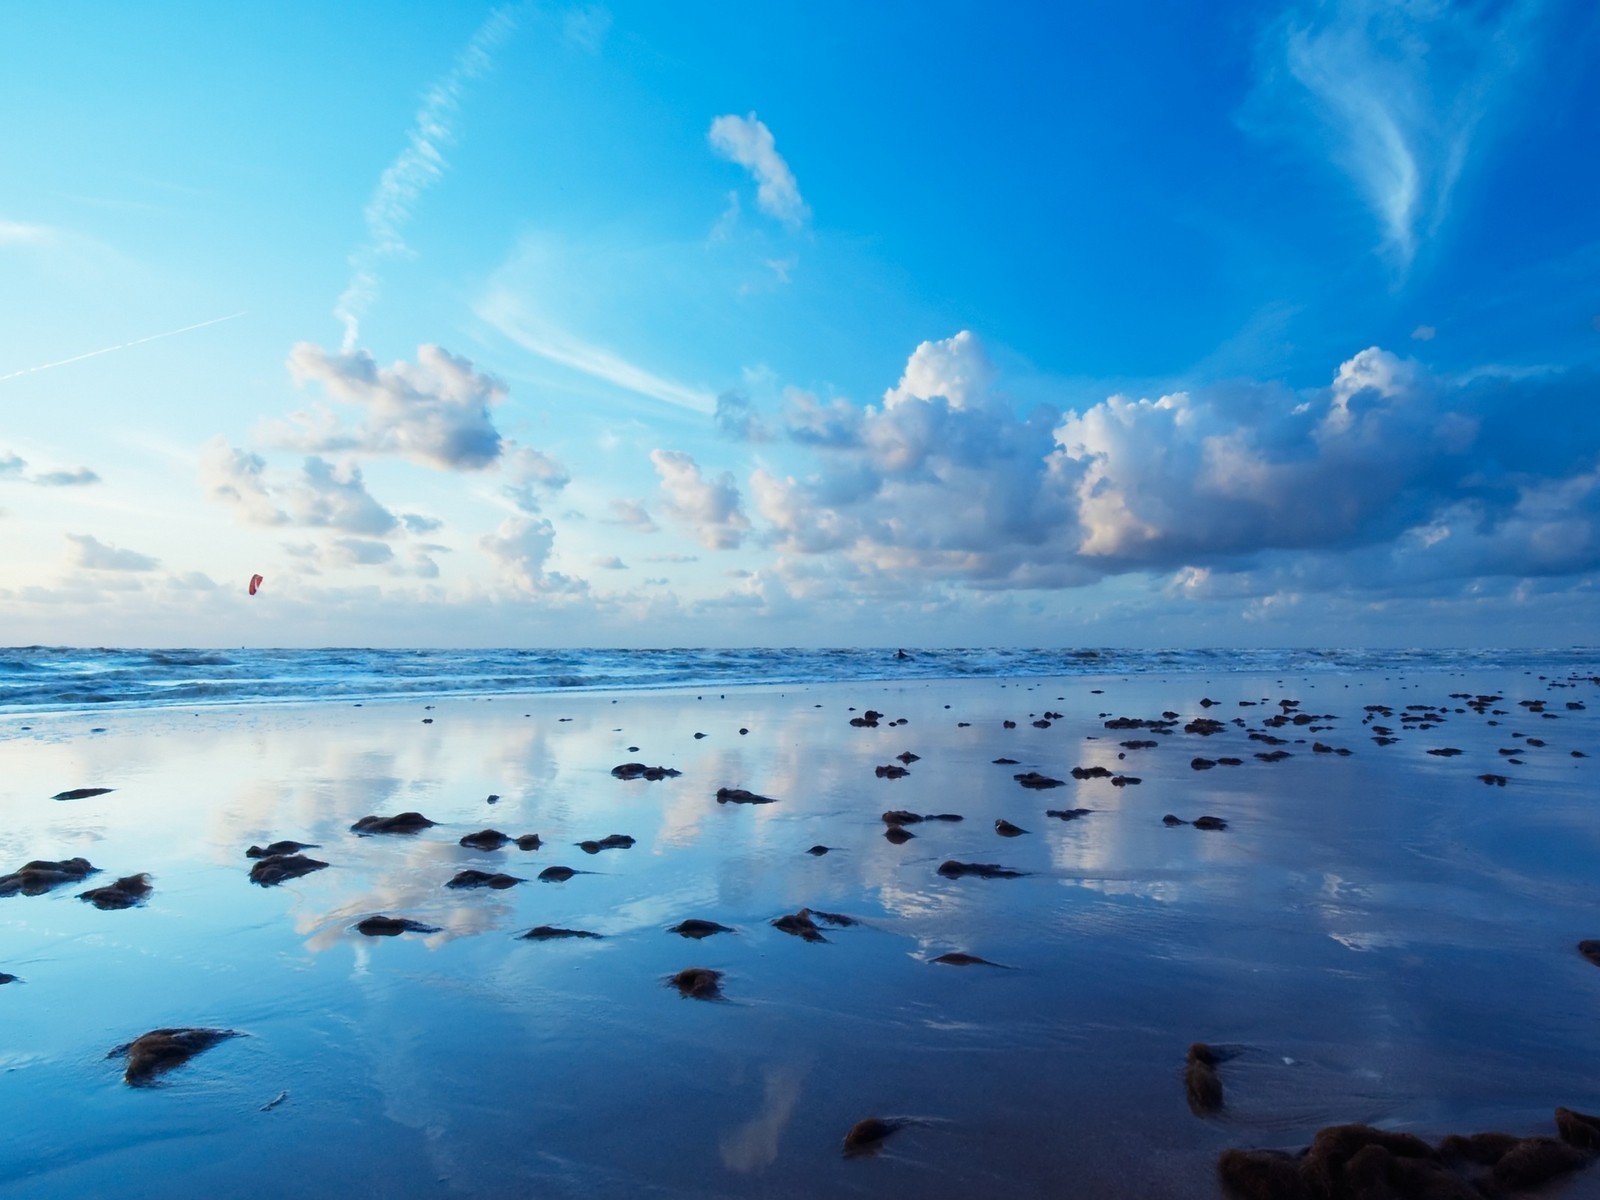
{"x": 1393, "y": 94}
{"x": 334, "y": 496}
{"x": 321, "y": 495}
{"x": 531, "y": 472}
{"x": 945, "y": 484}
{"x": 237, "y": 479}
{"x": 631, "y": 514}
{"x": 87, "y": 551}
{"x": 417, "y": 523}
{"x": 737, "y": 419}
{"x": 748, "y": 142}
{"x": 956, "y": 369}
{"x": 77, "y": 478}
{"x": 434, "y": 411}
{"x": 609, "y": 562}
{"x": 520, "y": 548}
{"x": 359, "y": 552}
{"x": 14, "y": 467}
{"x": 710, "y": 507}
{"x": 807, "y": 420}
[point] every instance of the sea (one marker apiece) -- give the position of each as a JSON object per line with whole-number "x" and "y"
{"x": 56, "y": 678}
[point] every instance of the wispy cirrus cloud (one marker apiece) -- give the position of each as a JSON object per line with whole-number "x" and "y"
{"x": 506, "y": 313}
{"x": 748, "y": 142}
{"x": 24, "y": 233}
{"x": 416, "y": 169}
{"x": 1393, "y": 94}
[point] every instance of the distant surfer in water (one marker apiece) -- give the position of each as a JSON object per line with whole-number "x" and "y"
{"x": 901, "y": 654}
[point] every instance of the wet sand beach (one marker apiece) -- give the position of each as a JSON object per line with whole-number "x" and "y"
{"x": 1371, "y": 931}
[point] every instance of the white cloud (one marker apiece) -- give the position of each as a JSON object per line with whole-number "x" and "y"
{"x": 321, "y": 495}
{"x": 416, "y": 169}
{"x": 520, "y": 548}
{"x": 632, "y": 514}
{"x": 418, "y": 523}
{"x": 955, "y": 368}
{"x": 15, "y": 467}
{"x": 506, "y": 313}
{"x": 88, "y": 551}
{"x": 530, "y": 472}
{"x": 1424, "y": 333}
{"x": 237, "y": 478}
{"x": 359, "y": 552}
{"x": 80, "y": 477}
{"x": 22, "y": 233}
{"x": 930, "y": 494}
{"x": 335, "y": 497}
{"x": 736, "y": 418}
{"x": 748, "y": 142}
{"x": 710, "y": 508}
{"x": 434, "y": 411}
{"x": 1395, "y": 94}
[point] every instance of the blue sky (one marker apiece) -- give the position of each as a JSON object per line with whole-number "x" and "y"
{"x": 800, "y": 324}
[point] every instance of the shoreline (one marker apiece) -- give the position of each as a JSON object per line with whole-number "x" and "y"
{"x": 1331, "y": 933}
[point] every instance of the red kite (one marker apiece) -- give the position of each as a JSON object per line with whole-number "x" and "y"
{"x": 255, "y": 582}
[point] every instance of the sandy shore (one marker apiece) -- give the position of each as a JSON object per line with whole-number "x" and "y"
{"x": 1376, "y": 936}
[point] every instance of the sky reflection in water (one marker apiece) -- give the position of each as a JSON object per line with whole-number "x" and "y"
{"x": 1384, "y": 937}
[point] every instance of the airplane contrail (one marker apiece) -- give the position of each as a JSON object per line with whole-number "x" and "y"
{"x": 120, "y": 346}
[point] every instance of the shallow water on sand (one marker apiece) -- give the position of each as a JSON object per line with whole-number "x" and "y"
{"x": 1381, "y": 936}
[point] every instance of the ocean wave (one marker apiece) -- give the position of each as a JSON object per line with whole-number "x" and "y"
{"x": 40, "y": 678}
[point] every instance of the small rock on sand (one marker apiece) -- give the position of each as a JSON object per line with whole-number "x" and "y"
{"x": 957, "y": 959}
{"x": 612, "y": 841}
{"x": 406, "y": 822}
{"x": 124, "y": 893}
{"x": 40, "y": 875}
{"x": 381, "y": 926}
{"x": 638, "y": 770}
{"x": 275, "y": 868}
{"x": 866, "y": 1137}
{"x": 729, "y": 795}
{"x": 482, "y": 879}
{"x": 160, "y": 1050}
{"x": 283, "y": 847}
{"x": 698, "y": 983}
{"x": 951, "y": 869}
{"x": 694, "y": 927}
{"x": 1201, "y": 1082}
{"x": 546, "y": 933}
